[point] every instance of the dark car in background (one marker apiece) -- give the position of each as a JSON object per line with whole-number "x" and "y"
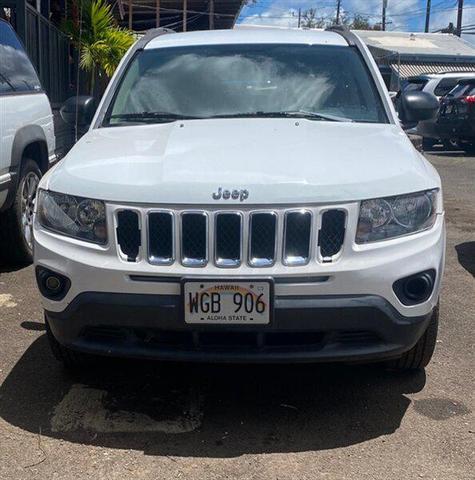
{"x": 438, "y": 84}
{"x": 456, "y": 119}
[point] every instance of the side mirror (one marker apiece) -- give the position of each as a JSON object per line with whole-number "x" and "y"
{"x": 80, "y": 108}
{"x": 414, "y": 107}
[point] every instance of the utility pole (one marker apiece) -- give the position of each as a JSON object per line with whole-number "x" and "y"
{"x": 383, "y": 19}
{"x": 300, "y": 17}
{"x": 427, "y": 17}
{"x": 131, "y": 8}
{"x": 185, "y": 14}
{"x": 211, "y": 15}
{"x": 459, "y": 19}
{"x": 338, "y": 6}
{"x": 157, "y": 13}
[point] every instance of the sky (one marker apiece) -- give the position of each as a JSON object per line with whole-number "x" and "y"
{"x": 402, "y": 15}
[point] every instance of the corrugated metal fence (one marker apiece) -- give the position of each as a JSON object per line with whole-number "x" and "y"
{"x": 49, "y": 50}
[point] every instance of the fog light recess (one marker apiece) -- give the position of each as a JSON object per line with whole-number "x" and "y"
{"x": 415, "y": 288}
{"x": 52, "y": 285}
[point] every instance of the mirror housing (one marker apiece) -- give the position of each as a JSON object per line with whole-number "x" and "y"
{"x": 84, "y": 106}
{"x": 414, "y": 107}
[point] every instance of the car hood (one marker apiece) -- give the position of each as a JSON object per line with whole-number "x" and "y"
{"x": 278, "y": 161}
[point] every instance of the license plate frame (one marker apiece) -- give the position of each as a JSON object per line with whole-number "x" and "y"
{"x": 235, "y": 280}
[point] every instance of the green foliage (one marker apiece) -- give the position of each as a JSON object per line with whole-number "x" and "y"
{"x": 98, "y": 38}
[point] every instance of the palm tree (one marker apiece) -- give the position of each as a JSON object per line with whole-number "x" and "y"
{"x": 100, "y": 41}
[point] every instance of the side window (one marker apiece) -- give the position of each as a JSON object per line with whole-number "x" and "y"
{"x": 445, "y": 85}
{"x": 460, "y": 90}
{"x": 471, "y": 92}
{"x": 16, "y": 71}
{"x": 414, "y": 85}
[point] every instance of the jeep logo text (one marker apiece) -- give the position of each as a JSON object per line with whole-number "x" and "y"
{"x": 227, "y": 194}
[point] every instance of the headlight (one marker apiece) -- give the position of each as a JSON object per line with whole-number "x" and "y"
{"x": 390, "y": 217}
{"x": 77, "y": 217}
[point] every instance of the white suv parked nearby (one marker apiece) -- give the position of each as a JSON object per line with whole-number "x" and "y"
{"x": 244, "y": 196}
{"x": 26, "y": 146}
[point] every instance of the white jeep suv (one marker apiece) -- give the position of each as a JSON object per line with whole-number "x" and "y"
{"x": 27, "y": 146}
{"x": 244, "y": 196}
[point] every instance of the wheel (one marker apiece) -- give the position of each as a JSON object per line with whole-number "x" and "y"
{"x": 470, "y": 148}
{"x": 428, "y": 143}
{"x": 72, "y": 360}
{"x": 451, "y": 144}
{"x": 420, "y": 355}
{"x": 16, "y": 224}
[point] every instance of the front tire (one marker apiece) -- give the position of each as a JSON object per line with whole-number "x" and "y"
{"x": 470, "y": 148}
{"x": 73, "y": 361}
{"x": 428, "y": 143}
{"x": 419, "y": 356}
{"x": 451, "y": 144}
{"x": 16, "y": 224}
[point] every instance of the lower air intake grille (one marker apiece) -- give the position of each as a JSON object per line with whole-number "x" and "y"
{"x": 332, "y": 233}
{"x": 128, "y": 234}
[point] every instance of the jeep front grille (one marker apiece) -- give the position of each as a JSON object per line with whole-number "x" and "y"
{"x": 194, "y": 239}
{"x": 161, "y": 238}
{"x": 262, "y": 239}
{"x": 228, "y": 239}
{"x": 231, "y": 238}
{"x": 128, "y": 234}
{"x": 297, "y": 234}
{"x": 332, "y": 233}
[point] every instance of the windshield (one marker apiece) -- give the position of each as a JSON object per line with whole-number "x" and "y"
{"x": 319, "y": 82}
{"x": 413, "y": 84}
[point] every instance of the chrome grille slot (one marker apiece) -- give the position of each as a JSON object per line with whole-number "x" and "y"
{"x": 161, "y": 238}
{"x": 228, "y": 239}
{"x": 194, "y": 239}
{"x": 262, "y": 240}
{"x": 128, "y": 234}
{"x": 332, "y": 233}
{"x": 297, "y": 231}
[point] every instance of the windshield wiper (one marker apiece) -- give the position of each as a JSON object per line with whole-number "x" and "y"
{"x": 152, "y": 116}
{"x": 5, "y": 79}
{"x": 286, "y": 114}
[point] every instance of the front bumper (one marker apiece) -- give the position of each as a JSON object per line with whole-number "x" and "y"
{"x": 346, "y": 310}
{"x": 336, "y": 328}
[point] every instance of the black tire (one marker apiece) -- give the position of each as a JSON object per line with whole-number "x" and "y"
{"x": 420, "y": 355}
{"x": 428, "y": 143}
{"x": 14, "y": 246}
{"x": 470, "y": 148}
{"x": 71, "y": 360}
{"x": 451, "y": 144}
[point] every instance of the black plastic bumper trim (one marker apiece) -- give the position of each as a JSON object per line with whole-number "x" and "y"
{"x": 329, "y": 315}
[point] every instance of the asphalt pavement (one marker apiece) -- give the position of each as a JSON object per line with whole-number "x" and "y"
{"x": 142, "y": 420}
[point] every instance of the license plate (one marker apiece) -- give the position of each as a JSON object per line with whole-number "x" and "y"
{"x": 227, "y": 302}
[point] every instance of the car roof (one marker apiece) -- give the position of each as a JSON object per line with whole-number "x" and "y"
{"x": 247, "y": 36}
{"x": 439, "y": 76}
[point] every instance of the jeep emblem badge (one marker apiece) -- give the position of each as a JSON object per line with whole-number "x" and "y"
{"x": 227, "y": 194}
